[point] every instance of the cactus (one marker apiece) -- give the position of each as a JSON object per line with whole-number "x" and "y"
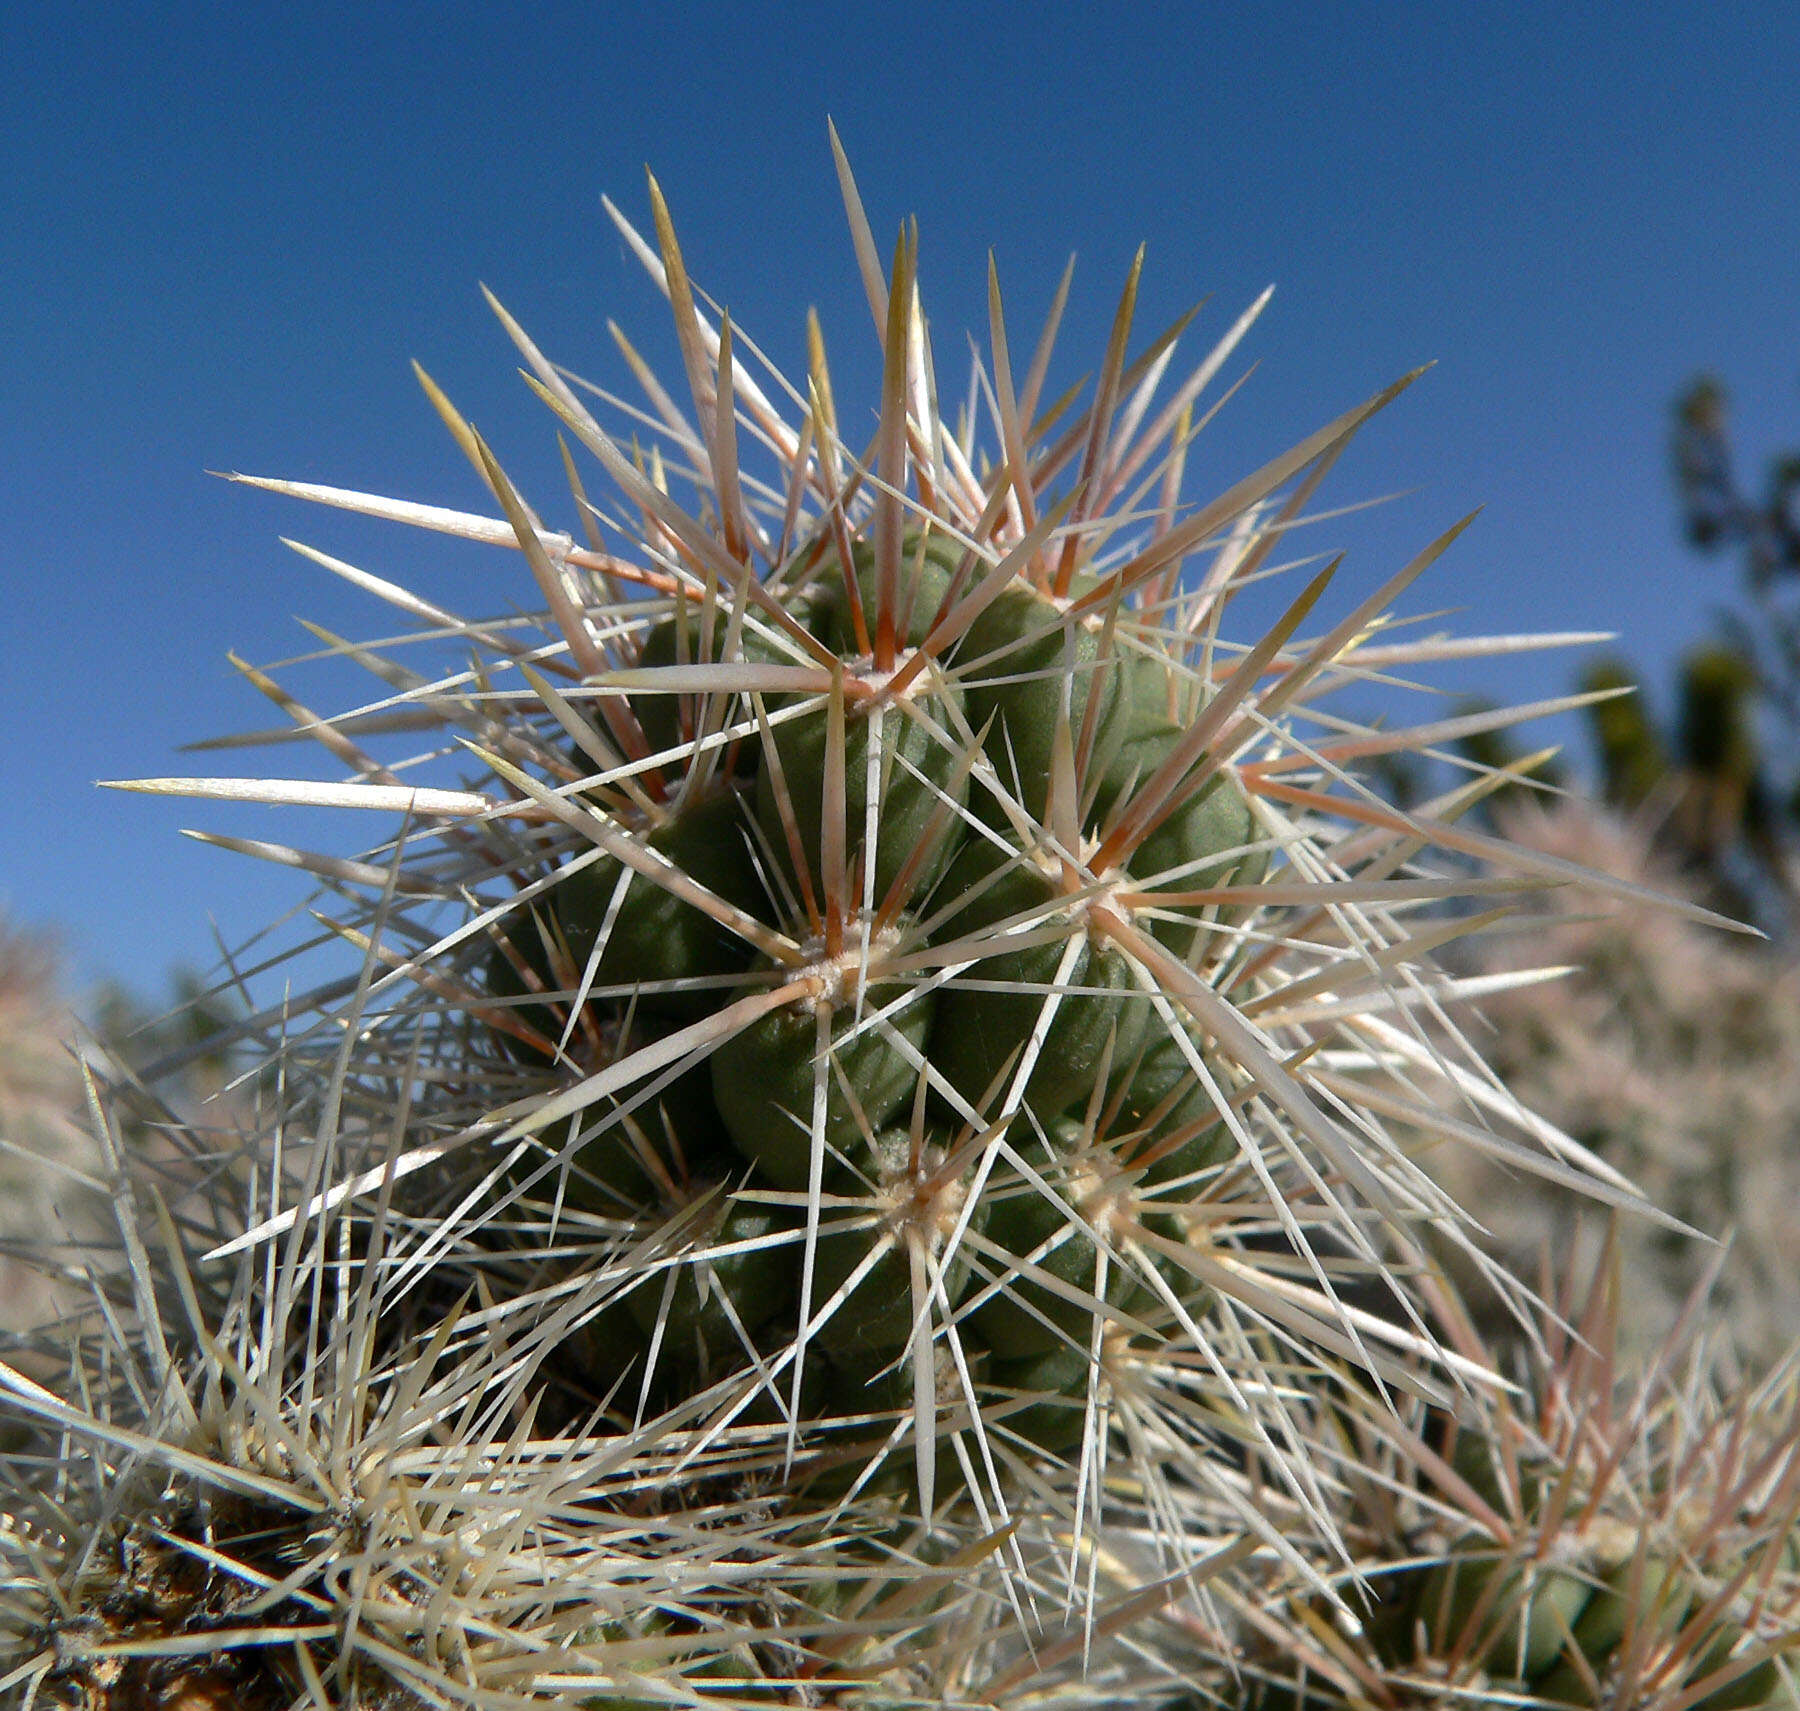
{"x": 1601, "y": 1538}
{"x": 858, "y": 1129}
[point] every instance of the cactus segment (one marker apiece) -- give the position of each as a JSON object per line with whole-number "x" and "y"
{"x": 606, "y": 1350}
{"x": 763, "y": 1078}
{"x": 661, "y": 717}
{"x": 928, "y": 563}
{"x": 531, "y": 975}
{"x": 913, "y": 772}
{"x": 1193, "y": 849}
{"x": 1021, "y": 652}
{"x": 1055, "y": 1383}
{"x": 759, "y": 1282}
{"x": 1520, "y": 1616}
{"x": 1168, "y": 1115}
{"x": 1652, "y": 1593}
{"x": 981, "y": 1029}
{"x": 887, "y": 1392}
{"x": 915, "y": 1208}
{"x": 1029, "y": 1316}
{"x": 1553, "y": 1631}
{"x": 608, "y": 1177}
{"x": 659, "y": 944}
{"x": 668, "y": 720}
{"x": 1642, "y": 1608}
{"x": 1759, "y": 1684}
{"x": 625, "y": 1165}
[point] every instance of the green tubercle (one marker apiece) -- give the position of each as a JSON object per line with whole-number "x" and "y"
{"x": 668, "y": 719}
{"x": 928, "y": 562}
{"x": 1204, "y": 842}
{"x": 759, "y": 1283}
{"x": 917, "y": 1207}
{"x": 893, "y": 758}
{"x": 1021, "y": 654}
{"x": 1030, "y": 1316}
{"x": 980, "y": 1030}
{"x": 659, "y": 946}
{"x": 764, "y": 1077}
{"x": 1166, "y": 1115}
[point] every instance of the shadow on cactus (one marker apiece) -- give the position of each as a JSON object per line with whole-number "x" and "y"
{"x": 873, "y": 1045}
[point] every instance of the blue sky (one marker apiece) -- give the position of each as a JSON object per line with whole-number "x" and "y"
{"x": 224, "y": 232}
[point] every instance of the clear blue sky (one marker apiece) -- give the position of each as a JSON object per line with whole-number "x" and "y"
{"x": 225, "y": 230}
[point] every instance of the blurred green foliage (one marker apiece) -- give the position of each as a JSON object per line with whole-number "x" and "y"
{"x": 1717, "y": 775}
{"x": 190, "y": 1036}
